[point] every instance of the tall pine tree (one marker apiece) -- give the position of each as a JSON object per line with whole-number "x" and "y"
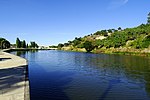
{"x": 18, "y": 43}
{"x": 23, "y": 44}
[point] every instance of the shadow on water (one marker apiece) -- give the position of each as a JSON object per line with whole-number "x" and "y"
{"x": 10, "y": 79}
{"x": 23, "y": 53}
{"x": 110, "y": 86}
{"x": 48, "y": 88}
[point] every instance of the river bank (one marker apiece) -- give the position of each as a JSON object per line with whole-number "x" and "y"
{"x": 27, "y": 49}
{"x": 121, "y": 51}
{"x": 14, "y": 83}
{"x": 124, "y": 51}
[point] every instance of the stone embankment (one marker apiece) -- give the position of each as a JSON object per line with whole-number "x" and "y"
{"x": 14, "y": 83}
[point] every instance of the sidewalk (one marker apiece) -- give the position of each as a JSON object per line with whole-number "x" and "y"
{"x": 14, "y": 84}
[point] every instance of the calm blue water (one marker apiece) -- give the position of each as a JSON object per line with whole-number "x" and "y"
{"x": 60, "y": 75}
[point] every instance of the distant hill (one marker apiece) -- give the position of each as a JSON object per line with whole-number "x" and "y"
{"x": 137, "y": 38}
{"x": 131, "y": 40}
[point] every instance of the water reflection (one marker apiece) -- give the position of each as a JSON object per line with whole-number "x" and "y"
{"x": 128, "y": 69}
{"x": 19, "y": 53}
{"x": 59, "y": 75}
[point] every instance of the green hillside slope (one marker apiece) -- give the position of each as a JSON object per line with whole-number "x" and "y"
{"x": 135, "y": 39}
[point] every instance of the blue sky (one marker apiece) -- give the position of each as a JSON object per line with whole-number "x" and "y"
{"x": 51, "y": 22}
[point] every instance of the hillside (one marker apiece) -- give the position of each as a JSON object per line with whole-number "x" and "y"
{"x": 135, "y": 40}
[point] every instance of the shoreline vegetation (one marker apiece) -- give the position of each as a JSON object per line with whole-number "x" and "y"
{"x": 26, "y": 49}
{"x": 128, "y": 41}
{"x": 120, "y": 51}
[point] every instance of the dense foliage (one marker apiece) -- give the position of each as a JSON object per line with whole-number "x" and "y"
{"x": 4, "y": 44}
{"x": 22, "y": 44}
{"x": 137, "y": 38}
{"x": 33, "y": 45}
{"x": 18, "y": 43}
{"x": 88, "y": 46}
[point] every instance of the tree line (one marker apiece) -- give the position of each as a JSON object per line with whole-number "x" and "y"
{"x": 23, "y": 44}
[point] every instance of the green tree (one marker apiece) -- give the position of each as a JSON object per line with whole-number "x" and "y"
{"x": 18, "y": 43}
{"x": 70, "y": 42}
{"x": 36, "y": 45}
{"x": 97, "y": 33}
{"x": 146, "y": 42}
{"x": 27, "y": 46}
{"x": 66, "y": 44}
{"x": 4, "y": 44}
{"x": 102, "y": 32}
{"x": 23, "y": 44}
{"x": 109, "y": 31}
{"x": 88, "y": 46}
{"x": 148, "y": 18}
{"x": 119, "y": 28}
{"x": 60, "y": 45}
{"x": 76, "y": 42}
{"x": 33, "y": 45}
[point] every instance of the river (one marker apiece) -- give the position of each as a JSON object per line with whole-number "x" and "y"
{"x": 61, "y": 75}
